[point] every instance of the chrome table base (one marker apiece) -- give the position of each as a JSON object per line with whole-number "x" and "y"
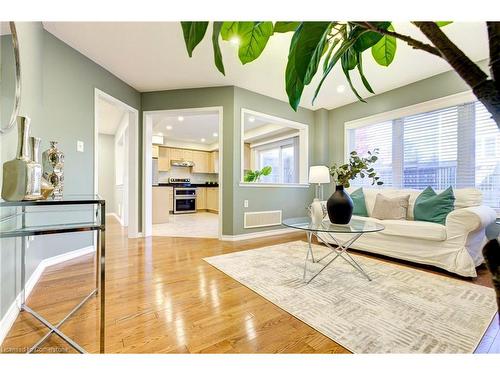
{"x": 339, "y": 251}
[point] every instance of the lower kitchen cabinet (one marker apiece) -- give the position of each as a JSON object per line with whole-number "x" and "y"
{"x": 213, "y": 199}
{"x": 201, "y": 198}
{"x": 163, "y": 203}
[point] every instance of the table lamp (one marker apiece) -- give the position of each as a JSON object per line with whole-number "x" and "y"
{"x": 319, "y": 174}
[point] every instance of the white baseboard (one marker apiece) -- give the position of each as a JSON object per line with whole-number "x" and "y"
{"x": 11, "y": 315}
{"x": 265, "y": 233}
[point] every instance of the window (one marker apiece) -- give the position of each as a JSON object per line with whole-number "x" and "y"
{"x": 457, "y": 146}
{"x": 283, "y": 157}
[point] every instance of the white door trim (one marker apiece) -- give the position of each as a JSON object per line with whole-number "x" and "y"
{"x": 133, "y": 175}
{"x": 147, "y": 176}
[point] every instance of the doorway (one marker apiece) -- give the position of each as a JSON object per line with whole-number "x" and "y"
{"x": 116, "y": 159}
{"x": 182, "y": 163}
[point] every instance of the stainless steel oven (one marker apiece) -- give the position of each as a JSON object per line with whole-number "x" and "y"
{"x": 184, "y": 200}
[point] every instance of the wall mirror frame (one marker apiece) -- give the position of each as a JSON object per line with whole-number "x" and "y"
{"x": 7, "y": 125}
{"x": 264, "y": 136}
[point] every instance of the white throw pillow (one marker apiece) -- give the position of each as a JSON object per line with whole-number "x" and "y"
{"x": 394, "y": 208}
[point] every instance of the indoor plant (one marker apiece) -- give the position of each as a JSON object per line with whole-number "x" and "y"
{"x": 254, "y": 176}
{"x": 340, "y": 205}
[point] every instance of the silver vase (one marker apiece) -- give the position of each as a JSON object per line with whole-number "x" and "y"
{"x": 53, "y": 163}
{"x": 16, "y": 175}
{"x": 33, "y": 187}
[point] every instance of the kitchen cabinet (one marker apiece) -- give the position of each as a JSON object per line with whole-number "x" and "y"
{"x": 247, "y": 157}
{"x": 201, "y": 198}
{"x": 213, "y": 199}
{"x": 200, "y": 159}
{"x": 163, "y": 159}
{"x": 213, "y": 165}
{"x": 163, "y": 197}
{"x": 155, "y": 152}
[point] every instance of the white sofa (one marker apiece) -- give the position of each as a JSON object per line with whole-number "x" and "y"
{"x": 455, "y": 247}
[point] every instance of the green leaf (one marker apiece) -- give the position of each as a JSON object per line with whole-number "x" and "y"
{"x": 229, "y": 30}
{"x": 384, "y": 51}
{"x": 362, "y": 75}
{"x": 443, "y": 23}
{"x": 215, "y": 42}
{"x": 266, "y": 171}
{"x": 306, "y": 48}
{"x": 346, "y": 44}
{"x": 329, "y": 54}
{"x": 285, "y": 27}
{"x": 309, "y": 49}
{"x": 366, "y": 38}
{"x": 294, "y": 86}
{"x": 193, "y": 34}
{"x": 345, "y": 68}
{"x": 253, "y": 39}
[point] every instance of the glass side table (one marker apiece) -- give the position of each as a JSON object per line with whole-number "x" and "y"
{"x": 93, "y": 220}
{"x": 355, "y": 227}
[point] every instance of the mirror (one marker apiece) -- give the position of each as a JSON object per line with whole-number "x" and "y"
{"x": 10, "y": 73}
{"x": 274, "y": 150}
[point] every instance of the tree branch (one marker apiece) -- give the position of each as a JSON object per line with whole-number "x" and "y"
{"x": 465, "y": 67}
{"x": 408, "y": 39}
{"x": 494, "y": 44}
{"x": 483, "y": 88}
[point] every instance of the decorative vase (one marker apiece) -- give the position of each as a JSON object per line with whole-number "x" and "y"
{"x": 33, "y": 187}
{"x": 53, "y": 163}
{"x": 316, "y": 212}
{"x": 16, "y": 172}
{"x": 339, "y": 206}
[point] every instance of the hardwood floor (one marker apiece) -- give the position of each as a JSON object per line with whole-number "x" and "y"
{"x": 163, "y": 298}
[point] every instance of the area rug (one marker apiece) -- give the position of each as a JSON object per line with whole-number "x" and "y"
{"x": 402, "y": 310}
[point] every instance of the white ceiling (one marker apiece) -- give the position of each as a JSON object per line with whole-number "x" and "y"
{"x": 151, "y": 56}
{"x": 109, "y": 115}
{"x": 193, "y": 127}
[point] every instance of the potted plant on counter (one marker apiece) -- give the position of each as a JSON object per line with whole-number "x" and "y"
{"x": 339, "y": 205}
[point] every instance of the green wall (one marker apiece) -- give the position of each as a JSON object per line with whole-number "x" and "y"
{"x": 58, "y": 95}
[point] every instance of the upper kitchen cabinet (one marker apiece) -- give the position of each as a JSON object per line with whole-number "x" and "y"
{"x": 200, "y": 159}
{"x": 163, "y": 159}
{"x": 155, "y": 152}
{"x": 213, "y": 164}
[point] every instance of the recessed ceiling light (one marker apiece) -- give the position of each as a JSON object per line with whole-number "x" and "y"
{"x": 235, "y": 40}
{"x": 169, "y": 127}
{"x": 180, "y": 118}
{"x": 251, "y": 119}
{"x": 215, "y": 134}
{"x": 203, "y": 139}
{"x": 340, "y": 89}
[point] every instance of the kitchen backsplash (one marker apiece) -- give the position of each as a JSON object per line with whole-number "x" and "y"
{"x": 183, "y": 172}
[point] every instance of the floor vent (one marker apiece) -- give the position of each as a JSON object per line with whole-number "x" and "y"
{"x": 262, "y": 219}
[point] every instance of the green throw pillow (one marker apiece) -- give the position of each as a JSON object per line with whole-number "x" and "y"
{"x": 433, "y": 207}
{"x": 358, "y": 200}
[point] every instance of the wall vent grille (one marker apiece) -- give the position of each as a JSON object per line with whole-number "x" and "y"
{"x": 262, "y": 219}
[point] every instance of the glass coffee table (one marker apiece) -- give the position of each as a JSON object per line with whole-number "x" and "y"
{"x": 356, "y": 228}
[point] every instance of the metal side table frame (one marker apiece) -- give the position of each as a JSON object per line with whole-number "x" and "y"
{"x": 356, "y": 227}
{"x": 97, "y": 225}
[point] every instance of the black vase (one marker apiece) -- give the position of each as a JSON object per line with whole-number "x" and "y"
{"x": 339, "y": 206}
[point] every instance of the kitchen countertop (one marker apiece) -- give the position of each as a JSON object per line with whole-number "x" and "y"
{"x": 165, "y": 184}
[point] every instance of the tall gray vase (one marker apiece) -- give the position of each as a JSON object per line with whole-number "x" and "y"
{"x": 16, "y": 172}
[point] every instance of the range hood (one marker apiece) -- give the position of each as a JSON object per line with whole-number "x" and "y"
{"x": 181, "y": 163}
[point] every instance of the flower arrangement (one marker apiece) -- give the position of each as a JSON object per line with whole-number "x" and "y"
{"x": 357, "y": 165}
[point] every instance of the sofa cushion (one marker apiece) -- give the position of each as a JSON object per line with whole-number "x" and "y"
{"x": 411, "y": 229}
{"x": 394, "y": 208}
{"x": 433, "y": 207}
{"x": 358, "y": 200}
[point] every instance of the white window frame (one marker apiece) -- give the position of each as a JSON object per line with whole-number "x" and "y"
{"x": 428, "y": 106}
{"x": 303, "y": 133}
{"x": 278, "y": 144}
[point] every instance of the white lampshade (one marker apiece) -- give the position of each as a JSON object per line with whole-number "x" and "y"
{"x": 319, "y": 174}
